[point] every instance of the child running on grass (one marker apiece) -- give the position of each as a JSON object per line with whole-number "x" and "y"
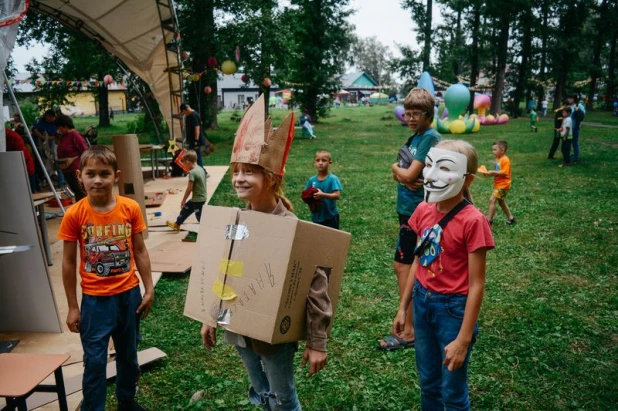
{"x": 108, "y": 230}
{"x": 502, "y": 182}
{"x": 534, "y": 118}
{"x": 197, "y": 187}
{"x": 407, "y": 172}
{"x": 325, "y": 188}
{"x": 257, "y": 176}
{"x": 448, "y": 276}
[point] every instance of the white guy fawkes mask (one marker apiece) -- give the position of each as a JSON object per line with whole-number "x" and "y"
{"x": 445, "y": 173}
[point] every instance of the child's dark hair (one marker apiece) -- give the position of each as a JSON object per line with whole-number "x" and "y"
{"x": 502, "y": 144}
{"x": 420, "y": 99}
{"x": 64, "y": 121}
{"x": 567, "y": 109}
{"x": 49, "y": 112}
{"x": 98, "y": 153}
{"x": 328, "y": 154}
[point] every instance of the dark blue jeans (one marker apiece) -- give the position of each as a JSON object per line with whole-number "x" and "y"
{"x": 190, "y": 208}
{"x": 101, "y": 318}
{"x": 332, "y": 222}
{"x": 575, "y": 143}
{"x": 437, "y": 321}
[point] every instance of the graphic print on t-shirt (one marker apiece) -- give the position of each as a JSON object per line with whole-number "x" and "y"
{"x": 106, "y": 248}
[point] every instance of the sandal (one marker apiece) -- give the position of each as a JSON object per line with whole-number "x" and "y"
{"x": 394, "y": 343}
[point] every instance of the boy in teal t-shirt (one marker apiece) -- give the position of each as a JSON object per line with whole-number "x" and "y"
{"x": 325, "y": 191}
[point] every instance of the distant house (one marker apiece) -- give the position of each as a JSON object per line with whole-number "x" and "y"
{"x": 232, "y": 92}
{"x": 82, "y": 101}
{"x": 358, "y": 85}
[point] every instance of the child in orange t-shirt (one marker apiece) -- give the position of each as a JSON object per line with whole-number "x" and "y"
{"x": 502, "y": 182}
{"x": 108, "y": 230}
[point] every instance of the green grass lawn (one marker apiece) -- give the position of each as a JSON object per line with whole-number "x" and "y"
{"x": 549, "y": 322}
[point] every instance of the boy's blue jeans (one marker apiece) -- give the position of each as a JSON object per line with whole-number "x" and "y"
{"x": 190, "y": 208}
{"x": 272, "y": 378}
{"x": 103, "y": 317}
{"x": 437, "y": 320}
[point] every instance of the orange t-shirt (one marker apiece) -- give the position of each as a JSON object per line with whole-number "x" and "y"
{"x": 503, "y": 165}
{"x": 107, "y": 263}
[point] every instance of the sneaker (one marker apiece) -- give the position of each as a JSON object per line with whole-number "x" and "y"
{"x": 511, "y": 221}
{"x": 124, "y": 405}
{"x": 191, "y": 237}
{"x": 173, "y": 225}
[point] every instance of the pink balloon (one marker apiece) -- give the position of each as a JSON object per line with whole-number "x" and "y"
{"x": 108, "y": 79}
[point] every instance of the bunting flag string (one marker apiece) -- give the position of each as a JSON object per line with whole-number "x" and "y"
{"x": 39, "y": 83}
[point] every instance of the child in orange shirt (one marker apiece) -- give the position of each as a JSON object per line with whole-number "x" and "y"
{"x": 108, "y": 230}
{"x": 502, "y": 182}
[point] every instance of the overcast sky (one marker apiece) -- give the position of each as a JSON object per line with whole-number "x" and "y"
{"x": 384, "y": 19}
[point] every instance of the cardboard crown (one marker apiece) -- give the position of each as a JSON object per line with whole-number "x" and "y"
{"x": 257, "y": 143}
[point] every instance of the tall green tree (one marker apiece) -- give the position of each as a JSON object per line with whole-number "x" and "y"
{"x": 71, "y": 56}
{"x": 422, "y": 15}
{"x": 374, "y": 58}
{"x": 321, "y": 43}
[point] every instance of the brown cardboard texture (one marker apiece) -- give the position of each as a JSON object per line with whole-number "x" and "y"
{"x": 263, "y": 266}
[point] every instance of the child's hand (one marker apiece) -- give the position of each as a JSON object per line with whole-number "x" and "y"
{"x": 418, "y": 183}
{"x": 209, "y": 336}
{"x": 144, "y": 307}
{"x": 183, "y": 203}
{"x": 455, "y": 354}
{"x": 399, "y": 323}
{"x": 317, "y": 360}
{"x": 73, "y": 318}
{"x": 319, "y": 194}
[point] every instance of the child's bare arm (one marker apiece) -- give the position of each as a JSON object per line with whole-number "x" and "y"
{"x": 404, "y": 302}
{"x": 335, "y": 195}
{"x": 69, "y": 280}
{"x": 188, "y": 191}
{"x": 456, "y": 351}
{"x": 142, "y": 262}
{"x": 408, "y": 175}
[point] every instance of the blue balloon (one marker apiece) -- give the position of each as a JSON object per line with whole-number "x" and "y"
{"x": 615, "y": 104}
{"x": 425, "y": 82}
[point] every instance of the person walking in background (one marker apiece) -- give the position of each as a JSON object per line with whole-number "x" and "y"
{"x": 578, "y": 112}
{"x": 566, "y": 133}
{"x": 502, "y": 182}
{"x": 557, "y": 134}
{"x": 194, "y": 132}
{"x": 324, "y": 190}
{"x": 544, "y": 107}
{"x": 534, "y": 118}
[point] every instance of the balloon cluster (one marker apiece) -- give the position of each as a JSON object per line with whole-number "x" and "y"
{"x": 456, "y": 100}
{"x": 481, "y": 104}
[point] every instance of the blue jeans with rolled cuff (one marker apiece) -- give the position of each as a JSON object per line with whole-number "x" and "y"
{"x": 437, "y": 321}
{"x": 272, "y": 378}
{"x": 103, "y": 317}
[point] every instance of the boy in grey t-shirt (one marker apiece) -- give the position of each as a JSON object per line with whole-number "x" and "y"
{"x": 197, "y": 186}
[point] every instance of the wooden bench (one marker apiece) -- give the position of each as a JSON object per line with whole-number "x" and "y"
{"x": 21, "y": 375}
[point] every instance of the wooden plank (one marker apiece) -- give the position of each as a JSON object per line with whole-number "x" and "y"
{"x": 74, "y": 384}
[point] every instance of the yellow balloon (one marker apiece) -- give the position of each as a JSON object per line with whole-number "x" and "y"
{"x": 473, "y": 116}
{"x": 228, "y": 67}
{"x": 477, "y": 126}
{"x": 458, "y": 127}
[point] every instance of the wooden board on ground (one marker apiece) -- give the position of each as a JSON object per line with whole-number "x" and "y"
{"x": 172, "y": 257}
{"x": 74, "y": 384}
{"x": 154, "y": 199}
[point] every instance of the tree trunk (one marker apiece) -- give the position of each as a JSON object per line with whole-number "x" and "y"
{"x": 474, "y": 55}
{"x": 526, "y": 46}
{"x": 103, "y": 106}
{"x": 543, "y": 63}
{"x": 503, "y": 42}
{"x": 210, "y": 106}
{"x": 427, "y": 45}
{"x": 595, "y": 68}
{"x": 611, "y": 70}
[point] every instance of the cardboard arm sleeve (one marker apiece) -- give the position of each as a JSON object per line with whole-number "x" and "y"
{"x": 319, "y": 311}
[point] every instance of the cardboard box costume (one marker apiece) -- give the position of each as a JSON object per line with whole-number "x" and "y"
{"x": 253, "y": 271}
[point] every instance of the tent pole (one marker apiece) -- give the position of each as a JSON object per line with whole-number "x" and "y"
{"x": 34, "y": 149}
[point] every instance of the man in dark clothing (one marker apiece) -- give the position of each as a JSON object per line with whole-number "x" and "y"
{"x": 194, "y": 132}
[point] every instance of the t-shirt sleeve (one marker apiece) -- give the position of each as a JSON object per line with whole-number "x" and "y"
{"x": 308, "y": 184}
{"x": 428, "y": 141}
{"x": 192, "y": 176}
{"x": 80, "y": 143}
{"x": 137, "y": 219}
{"x": 69, "y": 228}
{"x": 336, "y": 184}
{"x": 505, "y": 166}
{"x": 478, "y": 234}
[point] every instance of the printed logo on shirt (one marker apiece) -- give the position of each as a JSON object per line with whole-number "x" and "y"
{"x": 106, "y": 250}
